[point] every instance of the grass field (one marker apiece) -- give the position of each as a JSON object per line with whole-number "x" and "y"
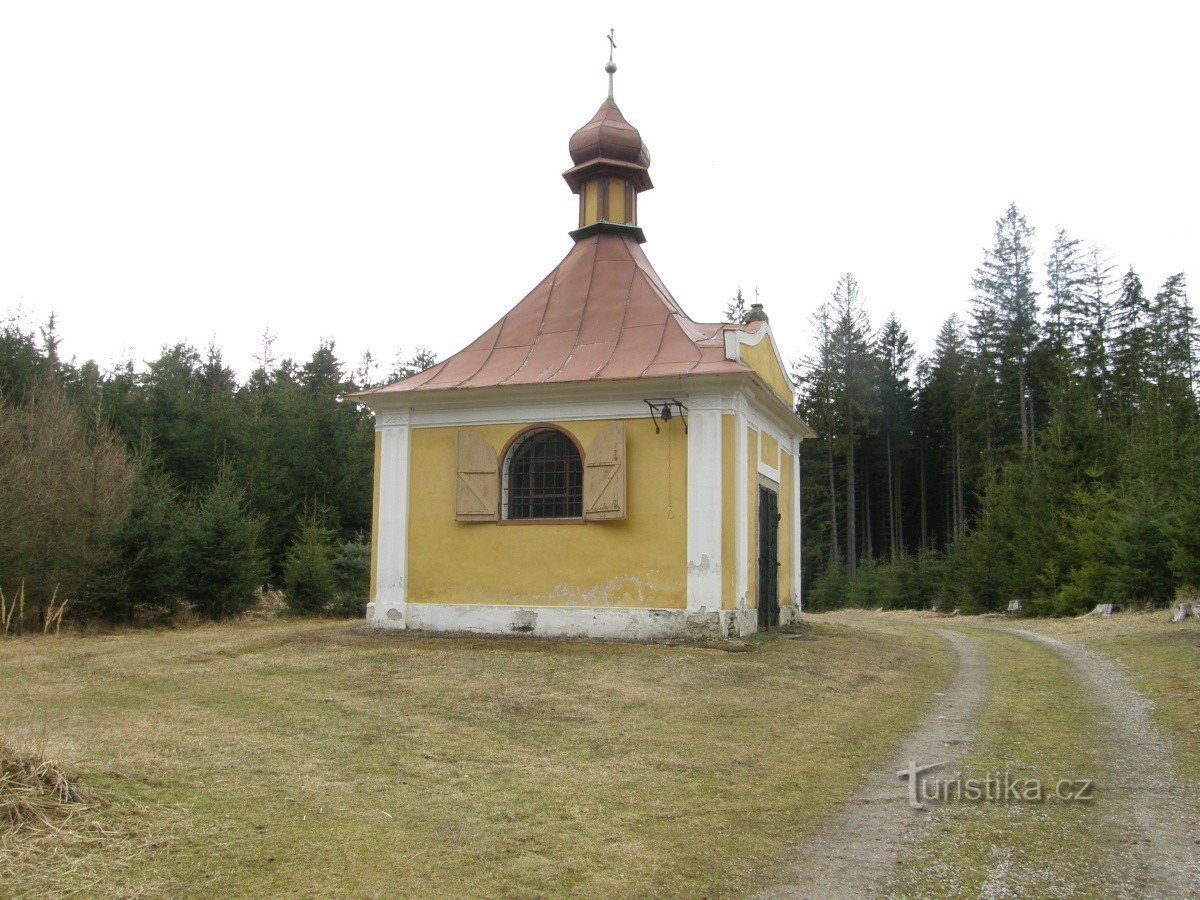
{"x": 301, "y": 757}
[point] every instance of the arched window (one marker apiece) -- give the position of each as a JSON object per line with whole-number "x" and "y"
{"x": 543, "y": 477}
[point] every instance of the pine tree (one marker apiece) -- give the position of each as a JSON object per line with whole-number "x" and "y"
{"x": 1173, "y": 342}
{"x": 404, "y": 367}
{"x": 1092, "y": 320}
{"x": 943, "y": 409}
{"x": 1006, "y": 324}
{"x": 1064, "y": 278}
{"x": 897, "y": 407}
{"x": 1130, "y": 345}
{"x": 735, "y": 309}
{"x": 817, "y": 379}
{"x": 855, "y": 393}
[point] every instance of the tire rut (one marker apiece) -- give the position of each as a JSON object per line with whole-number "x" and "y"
{"x": 855, "y": 855}
{"x": 1144, "y": 791}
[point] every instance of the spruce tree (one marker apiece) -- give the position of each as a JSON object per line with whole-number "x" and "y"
{"x": 897, "y": 407}
{"x": 855, "y": 393}
{"x": 309, "y": 573}
{"x": 817, "y": 379}
{"x": 1092, "y": 320}
{"x": 1065, "y": 328}
{"x": 150, "y": 544}
{"x": 221, "y": 561}
{"x": 1130, "y": 344}
{"x": 1006, "y": 324}
{"x": 735, "y": 309}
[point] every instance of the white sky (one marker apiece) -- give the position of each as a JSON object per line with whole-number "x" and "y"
{"x": 388, "y": 175}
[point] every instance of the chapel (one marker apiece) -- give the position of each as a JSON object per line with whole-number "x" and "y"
{"x": 595, "y": 463}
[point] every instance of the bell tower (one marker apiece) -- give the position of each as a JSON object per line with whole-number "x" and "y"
{"x": 611, "y": 167}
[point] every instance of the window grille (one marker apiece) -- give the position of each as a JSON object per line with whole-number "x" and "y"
{"x": 543, "y": 478}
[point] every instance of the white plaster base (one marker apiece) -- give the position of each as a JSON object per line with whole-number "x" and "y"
{"x": 741, "y": 622}
{"x": 610, "y": 623}
{"x": 605, "y": 623}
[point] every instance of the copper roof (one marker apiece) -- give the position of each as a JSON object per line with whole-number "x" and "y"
{"x": 608, "y": 143}
{"x": 608, "y": 136}
{"x": 602, "y": 314}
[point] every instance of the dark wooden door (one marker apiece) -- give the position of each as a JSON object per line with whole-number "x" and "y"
{"x": 768, "y": 558}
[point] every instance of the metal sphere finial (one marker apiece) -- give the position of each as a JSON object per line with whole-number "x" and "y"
{"x": 610, "y": 67}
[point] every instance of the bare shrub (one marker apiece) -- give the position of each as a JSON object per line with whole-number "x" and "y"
{"x": 65, "y": 481}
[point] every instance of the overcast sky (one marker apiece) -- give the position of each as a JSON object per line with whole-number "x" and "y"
{"x": 389, "y": 175}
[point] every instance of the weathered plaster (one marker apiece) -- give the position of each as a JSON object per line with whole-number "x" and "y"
{"x": 704, "y": 505}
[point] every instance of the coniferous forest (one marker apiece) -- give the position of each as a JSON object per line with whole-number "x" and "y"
{"x": 138, "y": 493}
{"x": 1046, "y": 450}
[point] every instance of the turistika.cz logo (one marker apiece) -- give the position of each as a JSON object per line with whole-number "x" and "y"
{"x": 994, "y": 787}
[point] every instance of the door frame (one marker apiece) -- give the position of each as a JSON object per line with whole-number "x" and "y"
{"x": 767, "y": 558}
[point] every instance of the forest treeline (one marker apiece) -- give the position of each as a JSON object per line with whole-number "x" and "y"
{"x": 1047, "y": 450}
{"x": 140, "y": 492}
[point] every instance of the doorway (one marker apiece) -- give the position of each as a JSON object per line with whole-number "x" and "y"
{"x": 768, "y": 559}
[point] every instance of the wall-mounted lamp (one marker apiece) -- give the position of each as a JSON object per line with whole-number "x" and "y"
{"x": 665, "y": 409}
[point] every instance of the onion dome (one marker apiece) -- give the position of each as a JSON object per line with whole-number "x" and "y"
{"x": 608, "y": 136}
{"x": 608, "y": 143}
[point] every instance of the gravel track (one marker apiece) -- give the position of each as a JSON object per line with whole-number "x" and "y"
{"x": 1150, "y": 811}
{"x": 855, "y": 855}
{"x": 1143, "y": 792}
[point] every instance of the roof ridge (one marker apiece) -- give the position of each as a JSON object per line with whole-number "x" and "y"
{"x": 624, "y": 315}
{"x": 582, "y": 313}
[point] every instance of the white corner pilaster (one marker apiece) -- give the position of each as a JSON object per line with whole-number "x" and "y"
{"x": 390, "y": 605}
{"x": 741, "y": 500}
{"x": 704, "y": 506}
{"x": 796, "y": 520}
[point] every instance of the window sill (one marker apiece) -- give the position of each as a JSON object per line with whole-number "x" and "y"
{"x": 579, "y": 521}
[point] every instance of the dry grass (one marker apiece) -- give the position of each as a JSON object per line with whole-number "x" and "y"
{"x": 304, "y": 757}
{"x": 36, "y": 793}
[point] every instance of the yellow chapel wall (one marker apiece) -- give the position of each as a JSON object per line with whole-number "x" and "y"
{"x": 785, "y": 527}
{"x": 762, "y": 359}
{"x": 764, "y": 448}
{"x": 639, "y": 561}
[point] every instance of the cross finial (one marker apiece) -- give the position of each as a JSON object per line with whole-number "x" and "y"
{"x": 610, "y": 66}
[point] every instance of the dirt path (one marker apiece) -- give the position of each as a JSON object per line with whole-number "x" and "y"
{"x": 1145, "y": 793}
{"x": 855, "y": 855}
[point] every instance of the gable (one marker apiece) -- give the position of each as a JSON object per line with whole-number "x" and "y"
{"x": 763, "y": 358}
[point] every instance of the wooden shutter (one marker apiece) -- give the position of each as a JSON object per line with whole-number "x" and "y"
{"x": 477, "y": 487}
{"x": 604, "y": 475}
